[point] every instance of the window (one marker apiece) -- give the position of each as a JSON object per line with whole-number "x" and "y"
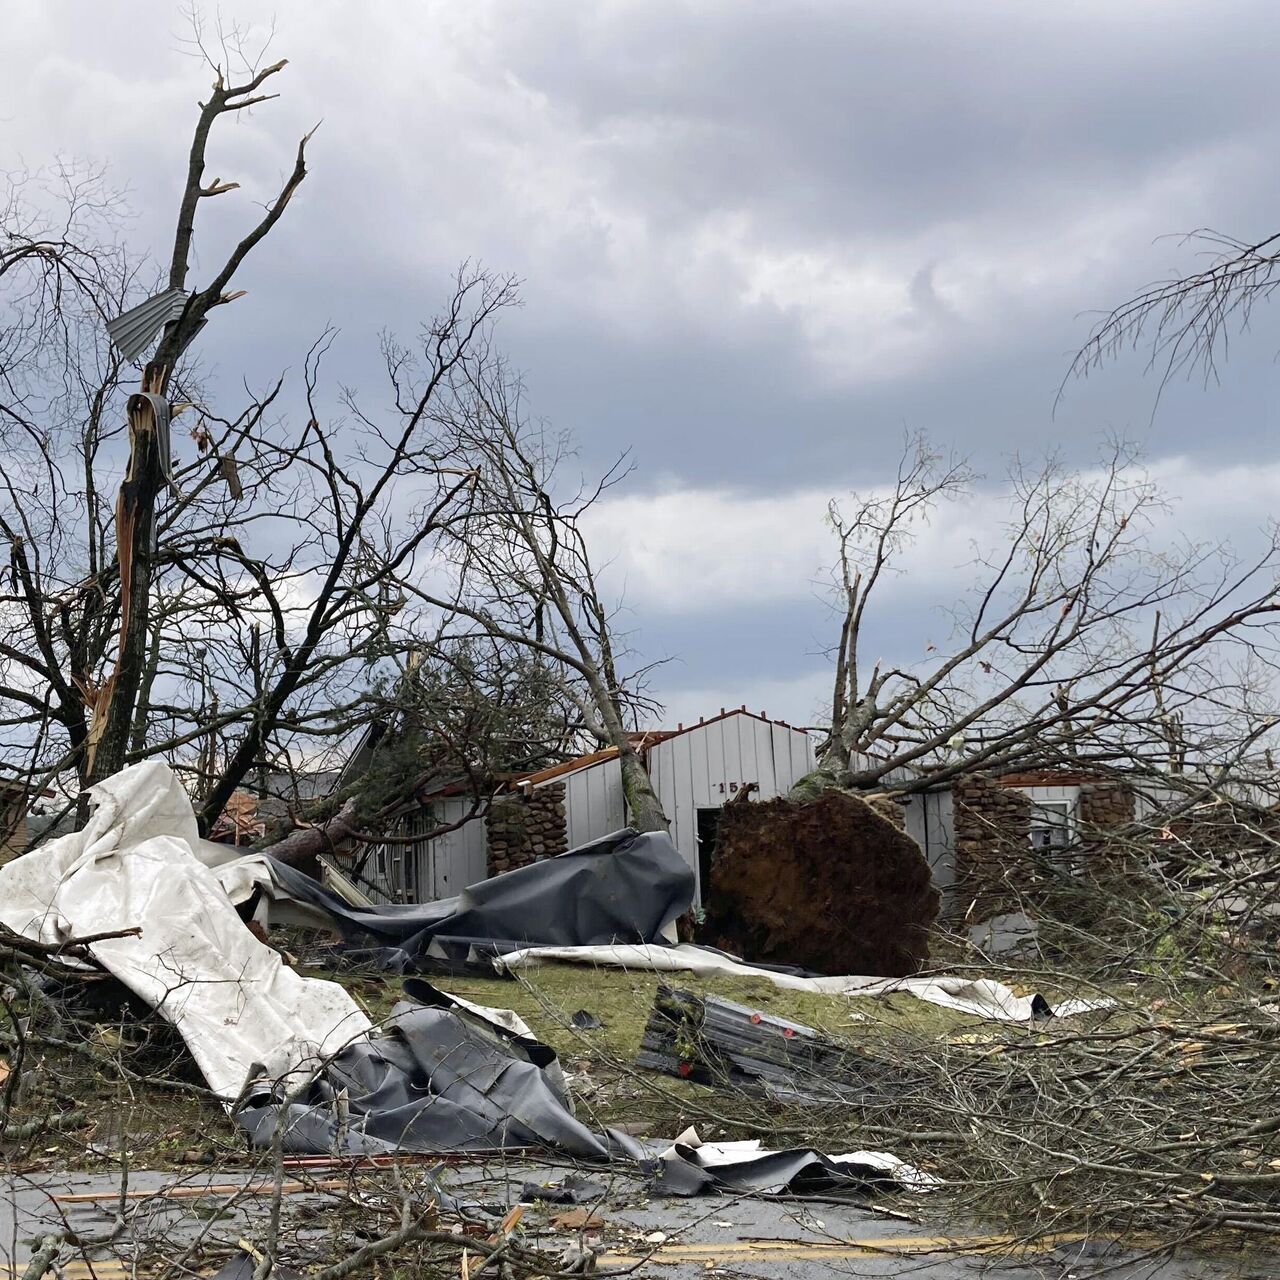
{"x": 1051, "y": 824}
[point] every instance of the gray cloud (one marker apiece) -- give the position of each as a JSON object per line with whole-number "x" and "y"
{"x": 757, "y": 239}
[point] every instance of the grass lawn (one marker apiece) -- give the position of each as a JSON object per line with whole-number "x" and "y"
{"x": 546, "y": 996}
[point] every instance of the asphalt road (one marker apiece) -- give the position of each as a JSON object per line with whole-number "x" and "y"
{"x": 678, "y": 1239}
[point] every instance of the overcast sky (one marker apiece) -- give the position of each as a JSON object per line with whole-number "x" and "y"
{"x": 757, "y": 240}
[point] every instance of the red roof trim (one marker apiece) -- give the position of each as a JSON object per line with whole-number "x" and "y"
{"x": 642, "y": 742}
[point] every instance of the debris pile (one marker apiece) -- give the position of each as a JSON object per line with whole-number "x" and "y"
{"x": 295, "y": 1061}
{"x": 717, "y": 1042}
{"x": 828, "y": 884}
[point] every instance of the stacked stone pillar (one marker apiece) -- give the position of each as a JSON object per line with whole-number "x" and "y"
{"x": 526, "y": 826}
{"x": 993, "y": 845}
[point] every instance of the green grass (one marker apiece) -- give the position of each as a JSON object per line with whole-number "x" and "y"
{"x": 547, "y": 995}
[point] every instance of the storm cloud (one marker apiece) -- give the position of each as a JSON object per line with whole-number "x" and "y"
{"x": 757, "y": 242}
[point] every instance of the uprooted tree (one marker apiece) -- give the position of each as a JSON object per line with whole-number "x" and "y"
{"x": 1085, "y": 641}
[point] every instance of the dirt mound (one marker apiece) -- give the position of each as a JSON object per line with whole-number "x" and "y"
{"x": 828, "y": 884}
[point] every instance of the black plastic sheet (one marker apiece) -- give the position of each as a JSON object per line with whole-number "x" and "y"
{"x": 625, "y": 887}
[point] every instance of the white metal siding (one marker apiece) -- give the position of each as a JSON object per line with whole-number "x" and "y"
{"x": 931, "y": 824}
{"x": 705, "y": 767}
{"x": 447, "y": 864}
{"x": 1071, "y": 795}
{"x": 593, "y": 802}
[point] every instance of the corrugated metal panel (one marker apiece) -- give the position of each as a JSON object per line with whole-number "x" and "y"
{"x": 133, "y": 331}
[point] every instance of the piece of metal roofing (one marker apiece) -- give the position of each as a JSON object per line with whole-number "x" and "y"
{"x": 133, "y": 331}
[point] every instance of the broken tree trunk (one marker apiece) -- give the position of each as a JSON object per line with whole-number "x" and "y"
{"x": 828, "y": 884}
{"x": 644, "y": 809}
{"x": 303, "y": 847}
{"x": 112, "y": 710}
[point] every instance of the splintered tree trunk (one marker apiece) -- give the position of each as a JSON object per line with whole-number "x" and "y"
{"x": 302, "y": 848}
{"x": 111, "y": 722}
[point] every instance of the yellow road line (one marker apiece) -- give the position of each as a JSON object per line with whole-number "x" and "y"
{"x": 815, "y": 1250}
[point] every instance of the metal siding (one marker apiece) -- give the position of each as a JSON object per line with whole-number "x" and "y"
{"x": 916, "y": 821}
{"x": 1070, "y": 794}
{"x": 655, "y": 763}
{"x": 457, "y": 858}
{"x": 732, "y": 768}
{"x": 698, "y": 782}
{"x": 714, "y": 736}
{"x": 594, "y": 806}
{"x": 783, "y": 775}
{"x": 942, "y": 840}
{"x": 684, "y": 826}
{"x": 929, "y": 823}
{"x": 801, "y": 756}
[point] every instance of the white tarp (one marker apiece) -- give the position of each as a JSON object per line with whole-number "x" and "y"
{"x": 137, "y": 865}
{"x": 979, "y": 996}
{"x": 691, "y": 1149}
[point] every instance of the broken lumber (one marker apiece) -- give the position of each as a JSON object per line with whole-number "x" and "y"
{"x": 717, "y": 1042}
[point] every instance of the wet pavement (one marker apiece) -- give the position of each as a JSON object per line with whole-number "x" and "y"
{"x": 204, "y": 1213}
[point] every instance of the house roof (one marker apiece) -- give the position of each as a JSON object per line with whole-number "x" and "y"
{"x": 642, "y": 741}
{"x": 17, "y": 786}
{"x": 568, "y": 766}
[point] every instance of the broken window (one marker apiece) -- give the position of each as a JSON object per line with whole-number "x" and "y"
{"x": 1051, "y": 824}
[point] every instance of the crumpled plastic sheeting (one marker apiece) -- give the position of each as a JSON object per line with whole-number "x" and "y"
{"x": 625, "y": 886}
{"x": 231, "y": 998}
{"x": 979, "y": 996}
{"x": 449, "y": 1079}
{"x": 438, "y": 1079}
{"x": 690, "y": 1167}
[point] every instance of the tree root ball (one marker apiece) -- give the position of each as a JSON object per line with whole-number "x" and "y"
{"x": 827, "y": 884}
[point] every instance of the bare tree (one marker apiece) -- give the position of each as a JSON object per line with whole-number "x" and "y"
{"x": 1188, "y": 321}
{"x": 1082, "y": 636}
{"x": 524, "y": 570}
{"x": 256, "y": 581}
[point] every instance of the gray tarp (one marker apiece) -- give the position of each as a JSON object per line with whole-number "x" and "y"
{"x": 624, "y": 887}
{"x": 444, "y": 1078}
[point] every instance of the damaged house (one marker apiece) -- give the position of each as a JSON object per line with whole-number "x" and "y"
{"x": 696, "y": 769}
{"x": 972, "y": 830}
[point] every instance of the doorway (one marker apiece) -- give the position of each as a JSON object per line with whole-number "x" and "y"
{"x": 708, "y": 833}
